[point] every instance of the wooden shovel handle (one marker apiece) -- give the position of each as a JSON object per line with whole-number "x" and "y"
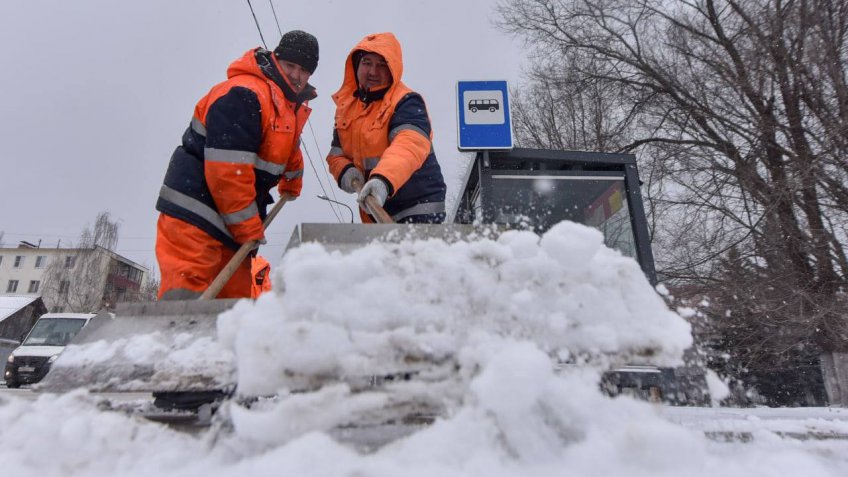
{"x": 373, "y": 207}
{"x": 227, "y": 272}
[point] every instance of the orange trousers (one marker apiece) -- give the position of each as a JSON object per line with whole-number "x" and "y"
{"x": 190, "y": 259}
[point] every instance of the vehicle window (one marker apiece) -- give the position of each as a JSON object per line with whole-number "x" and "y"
{"x": 540, "y": 202}
{"x": 54, "y": 331}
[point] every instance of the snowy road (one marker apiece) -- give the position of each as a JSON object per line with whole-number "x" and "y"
{"x": 734, "y": 423}
{"x": 18, "y": 393}
{"x": 31, "y": 395}
{"x": 719, "y": 423}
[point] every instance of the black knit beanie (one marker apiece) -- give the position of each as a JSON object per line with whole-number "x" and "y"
{"x": 300, "y": 48}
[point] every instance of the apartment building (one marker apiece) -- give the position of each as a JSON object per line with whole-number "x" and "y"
{"x": 70, "y": 278}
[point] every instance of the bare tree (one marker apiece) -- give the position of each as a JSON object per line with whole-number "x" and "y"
{"x": 76, "y": 284}
{"x": 561, "y": 108}
{"x": 149, "y": 289}
{"x": 739, "y": 111}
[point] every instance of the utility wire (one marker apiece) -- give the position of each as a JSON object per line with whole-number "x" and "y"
{"x": 274, "y": 11}
{"x": 318, "y": 148}
{"x": 336, "y": 212}
{"x": 257, "y": 24}
{"x": 321, "y": 183}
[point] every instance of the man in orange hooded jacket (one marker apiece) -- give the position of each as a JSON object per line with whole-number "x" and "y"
{"x": 243, "y": 140}
{"x": 261, "y": 271}
{"x": 383, "y": 137}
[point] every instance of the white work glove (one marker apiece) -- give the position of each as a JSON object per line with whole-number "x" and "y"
{"x": 350, "y": 175}
{"x": 375, "y": 187}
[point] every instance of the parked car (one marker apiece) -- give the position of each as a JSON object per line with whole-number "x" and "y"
{"x": 31, "y": 361}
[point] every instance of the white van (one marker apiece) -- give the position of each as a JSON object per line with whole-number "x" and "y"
{"x": 31, "y": 361}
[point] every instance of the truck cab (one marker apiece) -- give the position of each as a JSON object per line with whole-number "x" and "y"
{"x": 535, "y": 189}
{"x": 31, "y": 361}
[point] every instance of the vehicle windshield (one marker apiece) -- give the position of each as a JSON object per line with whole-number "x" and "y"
{"x": 596, "y": 200}
{"x": 54, "y": 331}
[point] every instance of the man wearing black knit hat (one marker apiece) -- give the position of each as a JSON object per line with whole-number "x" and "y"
{"x": 242, "y": 141}
{"x": 300, "y": 48}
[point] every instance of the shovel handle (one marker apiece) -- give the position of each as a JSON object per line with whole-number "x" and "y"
{"x": 230, "y": 268}
{"x": 373, "y": 207}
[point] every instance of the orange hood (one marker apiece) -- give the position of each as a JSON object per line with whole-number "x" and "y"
{"x": 246, "y": 65}
{"x": 249, "y": 64}
{"x": 383, "y": 44}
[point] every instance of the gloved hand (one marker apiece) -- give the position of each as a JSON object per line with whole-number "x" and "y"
{"x": 375, "y": 187}
{"x": 255, "y": 250}
{"x": 350, "y": 175}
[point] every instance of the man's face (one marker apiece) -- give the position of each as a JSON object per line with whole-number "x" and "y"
{"x": 373, "y": 71}
{"x": 297, "y": 75}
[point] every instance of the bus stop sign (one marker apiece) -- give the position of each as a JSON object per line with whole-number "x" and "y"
{"x": 483, "y": 118}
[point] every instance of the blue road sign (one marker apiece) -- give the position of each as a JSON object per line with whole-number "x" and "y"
{"x": 483, "y": 115}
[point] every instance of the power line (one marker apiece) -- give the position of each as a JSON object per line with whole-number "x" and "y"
{"x": 257, "y": 24}
{"x": 274, "y": 11}
{"x": 320, "y": 183}
{"x": 318, "y": 148}
{"x": 41, "y": 235}
{"x": 336, "y": 212}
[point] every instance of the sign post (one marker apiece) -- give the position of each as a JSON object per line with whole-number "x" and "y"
{"x": 483, "y": 118}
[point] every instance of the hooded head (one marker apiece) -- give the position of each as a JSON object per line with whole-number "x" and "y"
{"x": 372, "y": 71}
{"x": 384, "y": 44}
{"x": 300, "y": 48}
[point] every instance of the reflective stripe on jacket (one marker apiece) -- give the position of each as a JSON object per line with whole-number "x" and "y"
{"x": 389, "y": 137}
{"x": 243, "y": 140}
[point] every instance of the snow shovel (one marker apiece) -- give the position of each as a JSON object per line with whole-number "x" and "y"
{"x": 373, "y": 207}
{"x": 139, "y": 347}
{"x": 231, "y": 267}
{"x": 143, "y": 346}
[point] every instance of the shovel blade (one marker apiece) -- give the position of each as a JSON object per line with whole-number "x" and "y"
{"x": 147, "y": 347}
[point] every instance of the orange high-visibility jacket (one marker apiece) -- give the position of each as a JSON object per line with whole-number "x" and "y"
{"x": 387, "y": 136}
{"x": 261, "y": 271}
{"x": 243, "y": 140}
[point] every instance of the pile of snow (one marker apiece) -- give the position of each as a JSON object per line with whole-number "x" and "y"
{"x": 503, "y": 316}
{"x": 130, "y": 363}
{"x": 384, "y": 306}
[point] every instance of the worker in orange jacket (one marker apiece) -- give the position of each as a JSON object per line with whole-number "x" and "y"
{"x": 261, "y": 271}
{"x": 383, "y": 138}
{"x": 243, "y": 140}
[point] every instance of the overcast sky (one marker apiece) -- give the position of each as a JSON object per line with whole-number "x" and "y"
{"x": 97, "y": 93}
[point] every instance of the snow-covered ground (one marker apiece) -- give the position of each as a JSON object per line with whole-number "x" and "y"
{"x": 505, "y": 340}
